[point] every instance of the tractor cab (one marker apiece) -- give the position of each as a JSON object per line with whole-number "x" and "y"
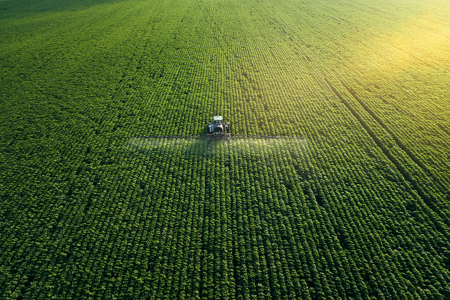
{"x": 218, "y": 128}
{"x": 218, "y": 125}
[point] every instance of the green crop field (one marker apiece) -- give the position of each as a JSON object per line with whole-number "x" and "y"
{"x": 356, "y": 205}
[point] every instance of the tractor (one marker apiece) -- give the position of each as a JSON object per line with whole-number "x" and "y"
{"x": 218, "y": 129}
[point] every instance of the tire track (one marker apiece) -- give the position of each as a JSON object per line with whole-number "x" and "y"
{"x": 433, "y": 202}
{"x": 377, "y": 141}
{"x": 397, "y": 141}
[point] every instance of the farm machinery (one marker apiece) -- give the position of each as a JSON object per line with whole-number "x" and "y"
{"x": 217, "y": 129}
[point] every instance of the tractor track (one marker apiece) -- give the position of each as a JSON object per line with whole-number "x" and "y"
{"x": 431, "y": 203}
{"x": 367, "y": 128}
